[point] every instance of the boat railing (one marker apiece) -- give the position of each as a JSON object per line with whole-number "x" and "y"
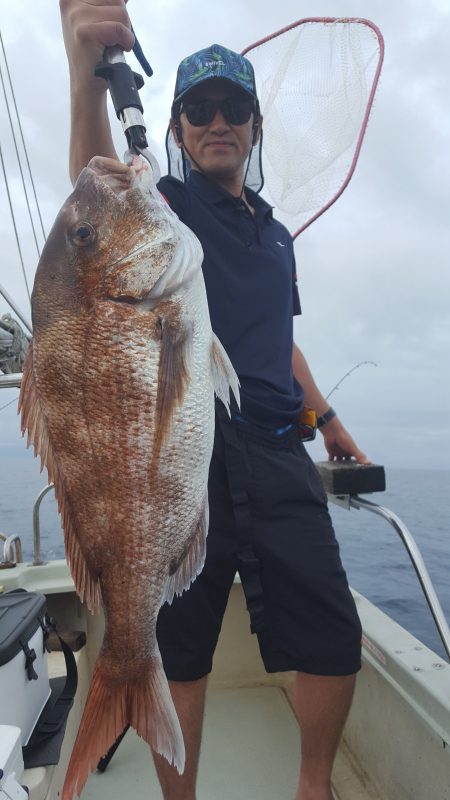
{"x": 37, "y": 560}
{"x": 417, "y": 562}
{"x": 12, "y": 550}
{"x": 343, "y": 481}
{"x": 11, "y": 381}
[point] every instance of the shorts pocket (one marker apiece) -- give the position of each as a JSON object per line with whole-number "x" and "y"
{"x": 283, "y": 478}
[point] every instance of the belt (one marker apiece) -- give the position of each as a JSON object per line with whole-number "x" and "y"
{"x": 275, "y": 431}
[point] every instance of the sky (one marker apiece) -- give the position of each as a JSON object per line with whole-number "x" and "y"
{"x": 374, "y": 270}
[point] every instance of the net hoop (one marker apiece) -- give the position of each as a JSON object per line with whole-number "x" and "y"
{"x": 334, "y": 20}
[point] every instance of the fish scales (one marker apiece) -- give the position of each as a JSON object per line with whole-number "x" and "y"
{"x": 118, "y": 399}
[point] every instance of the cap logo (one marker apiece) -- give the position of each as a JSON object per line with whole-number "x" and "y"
{"x": 214, "y": 64}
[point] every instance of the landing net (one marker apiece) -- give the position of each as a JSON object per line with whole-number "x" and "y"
{"x": 316, "y": 82}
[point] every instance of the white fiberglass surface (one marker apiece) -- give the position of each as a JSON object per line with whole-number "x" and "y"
{"x": 250, "y": 749}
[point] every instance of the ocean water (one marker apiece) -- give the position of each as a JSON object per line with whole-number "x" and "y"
{"x": 376, "y": 561}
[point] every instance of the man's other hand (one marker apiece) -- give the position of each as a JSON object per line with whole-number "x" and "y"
{"x": 340, "y": 445}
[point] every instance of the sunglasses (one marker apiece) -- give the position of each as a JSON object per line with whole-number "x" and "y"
{"x": 236, "y": 111}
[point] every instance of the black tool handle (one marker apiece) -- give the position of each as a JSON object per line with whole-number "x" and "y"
{"x": 123, "y": 85}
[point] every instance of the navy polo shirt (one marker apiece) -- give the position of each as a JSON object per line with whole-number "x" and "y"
{"x": 249, "y": 271}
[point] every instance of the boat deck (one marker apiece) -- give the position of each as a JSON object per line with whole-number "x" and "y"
{"x": 251, "y": 741}
{"x": 250, "y": 749}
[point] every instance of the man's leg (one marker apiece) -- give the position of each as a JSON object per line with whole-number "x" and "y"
{"x": 321, "y": 704}
{"x": 189, "y": 701}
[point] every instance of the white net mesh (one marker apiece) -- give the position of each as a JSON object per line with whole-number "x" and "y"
{"x": 315, "y": 82}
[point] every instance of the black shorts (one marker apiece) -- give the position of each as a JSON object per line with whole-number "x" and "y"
{"x": 269, "y": 521}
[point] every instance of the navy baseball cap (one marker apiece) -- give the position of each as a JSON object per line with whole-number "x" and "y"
{"x": 214, "y": 62}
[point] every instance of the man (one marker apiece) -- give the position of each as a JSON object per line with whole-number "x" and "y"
{"x": 268, "y": 515}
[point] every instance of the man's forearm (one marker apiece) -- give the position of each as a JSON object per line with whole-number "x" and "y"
{"x": 90, "y": 133}
{"x": 337, "y": 440}
{"x": 313, "y": 396}
{"x": 87, "y": 29}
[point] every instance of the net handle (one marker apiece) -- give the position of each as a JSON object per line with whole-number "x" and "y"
{"x": 342, "y": 20}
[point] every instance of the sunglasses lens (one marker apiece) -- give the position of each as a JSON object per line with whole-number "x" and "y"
{"x": 201, "y": 113}
{"x": 235, "y": 112}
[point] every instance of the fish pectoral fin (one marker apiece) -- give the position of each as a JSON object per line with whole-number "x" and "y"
{"x": 173, "y": 375}
{"x": 111, "y": 705}
{"x": 223, "y": 374}
{"x": 33, "y": 423}
{"x": 192, "y": 563}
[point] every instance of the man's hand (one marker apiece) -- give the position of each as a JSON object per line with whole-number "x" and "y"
{"x": 339, "y": 443}
{"x": 89, "y": 27}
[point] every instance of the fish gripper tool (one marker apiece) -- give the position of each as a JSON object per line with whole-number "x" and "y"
{"x": 123, "y": 85}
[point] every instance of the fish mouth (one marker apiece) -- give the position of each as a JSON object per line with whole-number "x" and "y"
{"x": 120, "y": 178}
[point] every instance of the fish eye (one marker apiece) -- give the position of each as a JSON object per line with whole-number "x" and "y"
{"x": 82, "y": 233}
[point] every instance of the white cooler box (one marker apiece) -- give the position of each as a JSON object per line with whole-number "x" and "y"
{"x": 24, "y": 682}
{"x": 11, "y": 759}
{"x": 11, "y": 764}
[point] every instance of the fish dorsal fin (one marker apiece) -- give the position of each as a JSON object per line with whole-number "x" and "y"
{"x": 223, "y": 374}
{"x": 32, "y": 418}
{"x": 33, "y": 423}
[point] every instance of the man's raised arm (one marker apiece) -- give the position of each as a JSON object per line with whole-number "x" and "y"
{"x": 89, "y": 27}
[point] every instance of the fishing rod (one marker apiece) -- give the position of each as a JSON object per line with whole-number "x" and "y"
{"x": 361, "y": 364}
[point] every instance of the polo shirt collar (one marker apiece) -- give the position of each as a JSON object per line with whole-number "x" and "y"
{"x": 210, "y": 191}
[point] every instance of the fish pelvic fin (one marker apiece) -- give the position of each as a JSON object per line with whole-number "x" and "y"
{"x": 192, "y": 562}
{"x": 144, "y": 703}
{"x": 33, "y": 424}
{"x": 223, "y": 374}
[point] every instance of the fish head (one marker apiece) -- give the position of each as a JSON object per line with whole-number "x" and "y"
{"x": 113, "y": 239}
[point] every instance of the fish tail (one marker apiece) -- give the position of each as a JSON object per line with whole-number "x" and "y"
{"x": 145, "y": 704}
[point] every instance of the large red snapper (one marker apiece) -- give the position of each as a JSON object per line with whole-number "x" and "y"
{"x": 118, "y": 399}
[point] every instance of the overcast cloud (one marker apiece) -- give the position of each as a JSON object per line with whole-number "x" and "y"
{"x": 374, "y": 270}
